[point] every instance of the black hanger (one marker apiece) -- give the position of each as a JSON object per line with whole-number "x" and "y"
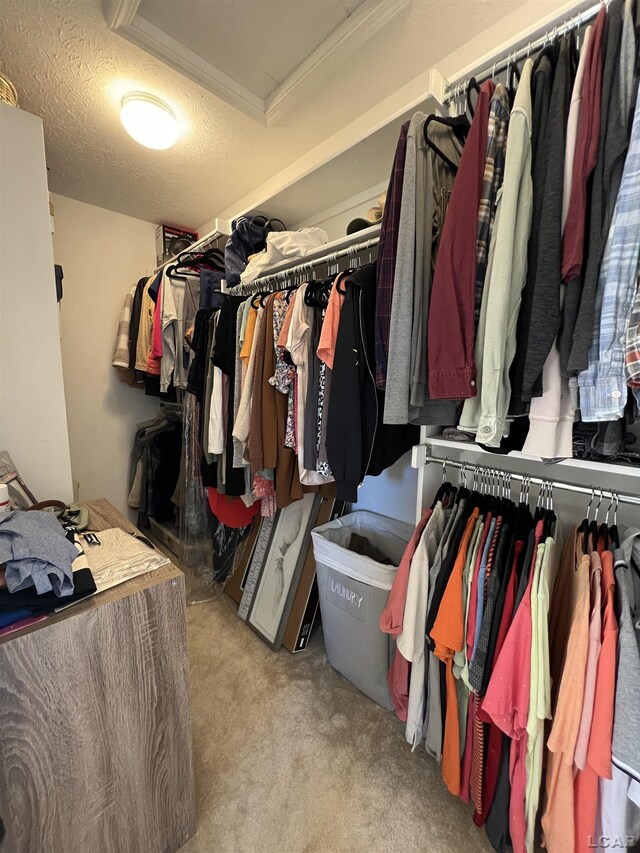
{"x": 459, "y": 125}
{"x": 317, "y": 292}
{"x": 259, "y": 296}
{"x": 194, "y": 260}
{"x": 472, "y": 86}
{"x": 514, "y": 71}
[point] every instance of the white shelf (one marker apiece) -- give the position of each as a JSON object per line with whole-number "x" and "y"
{"x": 324, "y": 250}
{"x": 535, "y": 466}
{"x": 345, "y": 165}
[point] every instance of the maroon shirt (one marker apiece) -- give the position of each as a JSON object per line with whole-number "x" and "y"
{"x": 451, "y": 333}
{"x": 586, "y": 153}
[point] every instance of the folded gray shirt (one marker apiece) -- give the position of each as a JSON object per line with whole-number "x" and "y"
{"x": 36, "y": 552}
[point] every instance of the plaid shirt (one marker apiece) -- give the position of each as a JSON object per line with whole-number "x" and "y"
{"x": 632, "y": 345}
{"x": 603, "y": 389}
{"x": 386, "y": 265}
{"x": 491, "y": 183}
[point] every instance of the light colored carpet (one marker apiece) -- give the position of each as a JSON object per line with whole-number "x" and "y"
{"x": 291, "y": 758}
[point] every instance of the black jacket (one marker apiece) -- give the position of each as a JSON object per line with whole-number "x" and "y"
{"x": 358, "y": 442}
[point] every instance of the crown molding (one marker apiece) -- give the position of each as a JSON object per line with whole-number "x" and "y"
{"x": 119, "y": 13}
{"x": 367, "y": 20}
{"x": 163, "y": 46}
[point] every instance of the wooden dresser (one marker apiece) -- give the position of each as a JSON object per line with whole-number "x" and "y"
{"x": 95, "y": 731}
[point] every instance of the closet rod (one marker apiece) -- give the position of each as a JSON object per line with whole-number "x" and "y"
{"x": 283, "y": 275}
{"x": 458, "y": 85}
{"x": 198, "y": 246}
{"x": 556, "y": 484}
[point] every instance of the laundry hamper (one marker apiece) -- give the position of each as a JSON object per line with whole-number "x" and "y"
{"x": 353, "y": 593}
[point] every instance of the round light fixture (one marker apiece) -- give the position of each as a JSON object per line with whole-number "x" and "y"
{"x": 149, "y": 120}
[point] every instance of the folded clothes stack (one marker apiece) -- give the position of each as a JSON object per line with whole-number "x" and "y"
{"x": 42, "y": 567}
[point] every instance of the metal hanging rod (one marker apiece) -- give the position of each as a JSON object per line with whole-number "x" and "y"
{"x": 458, "y": 85}
{"x": 301, "y": 268}
{"x": 525, "y": 478}
{"x": 199, "y": 246}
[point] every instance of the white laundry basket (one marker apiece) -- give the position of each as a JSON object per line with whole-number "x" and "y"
{"x": 353, "y": 593}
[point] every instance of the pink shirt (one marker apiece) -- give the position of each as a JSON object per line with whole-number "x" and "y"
{"x": 398, "y": 681}
{"x": 595, "y": 626}
{"x": 393, "y": 614}
{"x": 155, "y": 356}
{"x": 329, "y": 331}
{"x": 507, "y": 701}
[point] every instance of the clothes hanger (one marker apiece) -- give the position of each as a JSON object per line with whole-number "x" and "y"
{"x": 603, "y": 530}
{"x": 614, "y": 535}
{"x": 191, "y": 260}
{"x": 472, "y": 87}
{"x": 460, "y": 126}
{"x": 512, "y": 88}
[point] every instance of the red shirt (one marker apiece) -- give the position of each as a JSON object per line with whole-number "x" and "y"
{"x": 586, "y": 153}
{"x": 451, "y": 330}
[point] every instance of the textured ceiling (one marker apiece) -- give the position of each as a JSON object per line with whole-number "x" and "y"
{"x": 72, "y": 71}
{"x": 213, "y": 30}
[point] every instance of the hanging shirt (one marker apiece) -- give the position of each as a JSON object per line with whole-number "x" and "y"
{"x": 414, "y": 231}
{"x": 243, "y": 417}
{"x": 544, "y": 320}
{"x": 551, "y": 416}
{"x": 605, "y": 183}
{"x": 584, "y": 122}
{"x": 154, "y": 358}
{"x": 619, "y": 809}
{"x": 557, "y": 824}
{"x": 392, "y": 617}
{"x": 447, "y": 634}
{"x": 585, "y": 792}
{"x": 603, "y": 389}
{"x": 450, "y": 339}
{"x": 506, "y": 701}
{"x": 539, "y": 686}
{"x": 329, "y": 332}
{"x": 301, "y": 354}
{"x": 145, "y": 327}
{"x": 434, "y": 182}
{"x": 386, "y": 265}
{"x": 485, "y": 415}
{"x": 491, "y": 183}
{"x": 180, "y": 298}
{"x": 411, "y": 642}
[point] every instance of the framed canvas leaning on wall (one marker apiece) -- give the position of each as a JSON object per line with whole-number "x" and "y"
{"x": 278, "y": 581}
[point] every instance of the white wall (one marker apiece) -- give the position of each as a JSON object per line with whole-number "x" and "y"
{"x": 103, "y": 254}
{"x": 33, "y": 424}
{"x": 393, "y": 493}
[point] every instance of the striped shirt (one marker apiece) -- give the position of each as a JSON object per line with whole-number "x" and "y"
{"x": 121, "y": 354}
{"x": 603, "y": 389}
{"x": 491, "y": 183}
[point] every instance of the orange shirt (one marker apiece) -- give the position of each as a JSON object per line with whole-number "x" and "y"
{"x": 329, "y": 331}
{"x": 599, "y": 752}
{"x": 449, "y": 637}
{"x": 284, "y": 332}
{"x": 245, "y": 352}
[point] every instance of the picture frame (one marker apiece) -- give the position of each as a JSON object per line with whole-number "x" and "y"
{"x": 276, "y": 587}
{"x": 256, "y": 565}
{"x": 235, "y": 583}
{"x": 304, "y": 610}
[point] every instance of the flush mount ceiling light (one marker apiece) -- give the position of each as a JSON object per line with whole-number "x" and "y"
{"x": 149, "y": 120}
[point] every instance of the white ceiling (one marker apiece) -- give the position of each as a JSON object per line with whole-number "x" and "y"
{"x": 70, "y": 69}
{"x": 247, "y": 40}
